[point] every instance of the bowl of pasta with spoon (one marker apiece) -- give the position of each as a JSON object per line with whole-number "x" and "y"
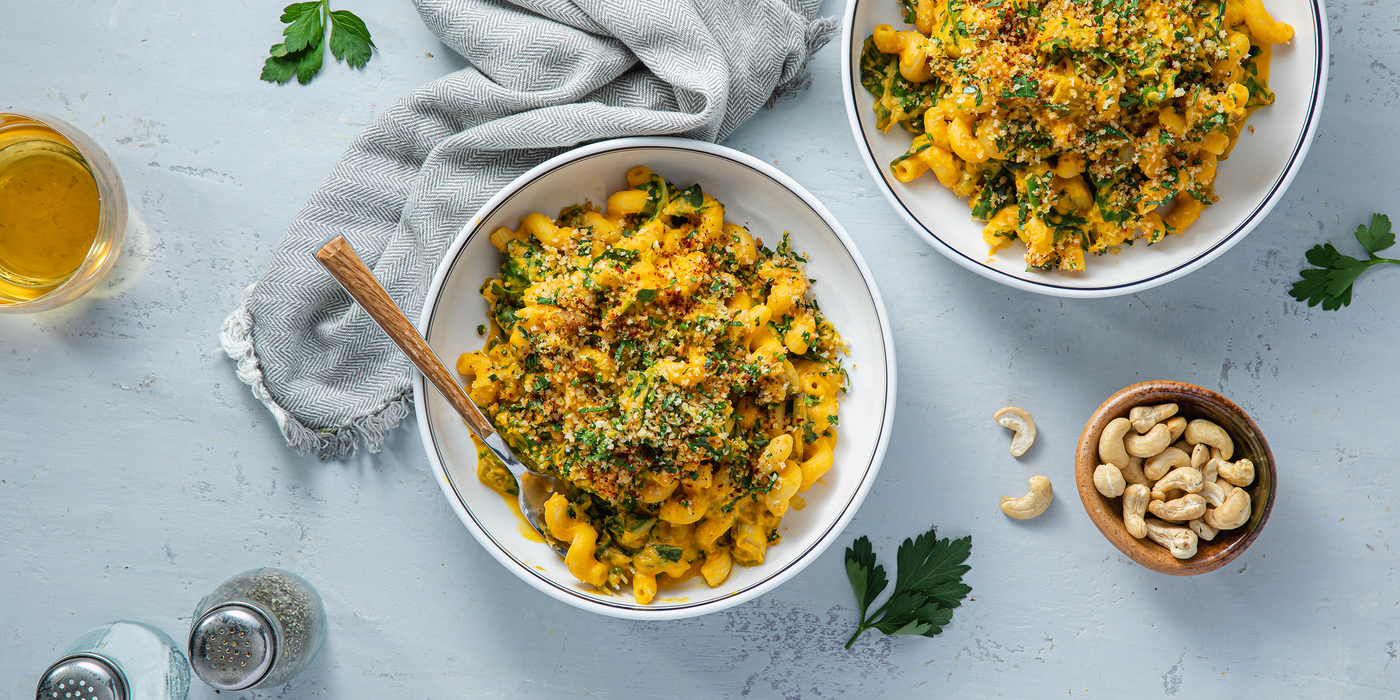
{"x": 691, "y": 344}
{"x": 1083, "y": 148}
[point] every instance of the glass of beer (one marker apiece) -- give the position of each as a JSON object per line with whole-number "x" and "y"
{"x": 62, "y": 212}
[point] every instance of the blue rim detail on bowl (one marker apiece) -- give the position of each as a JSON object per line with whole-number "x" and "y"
{"x": 1285, "y": 178}
{"x": 872, "y": 467}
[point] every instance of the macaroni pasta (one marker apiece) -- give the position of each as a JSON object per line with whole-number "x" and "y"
{"x": 667, "y": 366}
{"x": 1073, "y": 125}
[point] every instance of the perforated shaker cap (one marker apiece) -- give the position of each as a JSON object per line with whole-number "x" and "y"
{"x": 232, "y": 647}
{"x": 82, "y": 677}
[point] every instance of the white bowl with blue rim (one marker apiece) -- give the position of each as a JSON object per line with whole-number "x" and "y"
{"x": 755, "y": 194}
{"x": 1250, "y": 182}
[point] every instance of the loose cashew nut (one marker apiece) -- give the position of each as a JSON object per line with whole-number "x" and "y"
{"x": 1184, "y": 478}
{"x": 1178, "y": 426}
{"x": 1020, "y": 421}
{"x": 1135, "y": 500}
{"x": 1111, "y": 449}
{"x": 1188, "y": 507}
{"x": 1108, "y": 479}
{"x": 1203, "y": 530}
{"x": 1181, "y": 445}
{"x": 1133, "y": 472}
{"x": 1213, "y": 493}
{"x": 1031, "y": 504}
{"x": 1158, "y": 465}
{"x": 1231, "y": 514}
{"x": 1180, "y": 541}
{"x": 1240, "y": 473}
{"x": 1200, "y": 454}
{"x": 1203, "y": 431}
{"x": 1144, "y": 417}
{"x": 1150, "y": 444}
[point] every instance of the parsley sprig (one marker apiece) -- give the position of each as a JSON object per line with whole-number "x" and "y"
{"x": 301, "y": 52}
{"x": 927, "y": 586}
{"x": 1331, "y": 281}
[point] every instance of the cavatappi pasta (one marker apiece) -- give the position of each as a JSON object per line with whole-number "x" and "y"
{"x": 669, "y": 367}
{"x": 1073, "y": 125}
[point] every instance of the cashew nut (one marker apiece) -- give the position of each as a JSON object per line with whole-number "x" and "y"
{"x": 1181, "y": 445}
{"x": 1227, "y": 488}
{"x": 1200, "y": 454}
{"x": 1158, "y": 465}
{"x": 1133, "y": 472}
{"x": 1231, "y": 514}
{"x": 1108, "y": 479}
{"x": 1031, "y": 504}
{"x": 1204, "y": 431}
{"x": 1203, "y": 530}
{"x": 1184, "y": 478}
{"x": 1240, "y": 473}
{"x": 1213, "y": 493}
{"x": 1020, "y": 421}
{"x": 1188, "y": 507}
{"x": 1135, "y": 499}
{"x": 1178, "y": 426}
{"x": 1211, "y": 471}
{"x": 1147, "y": 445}
{"x": 1180, "y": 541}
{"x": 1111, "y": 449}
{"x": 1144, "y": 417}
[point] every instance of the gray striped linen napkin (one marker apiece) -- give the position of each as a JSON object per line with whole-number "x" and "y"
{"x": 545, "y": 75}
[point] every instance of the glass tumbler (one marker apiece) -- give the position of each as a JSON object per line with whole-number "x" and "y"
{"x": 46, "y": 210}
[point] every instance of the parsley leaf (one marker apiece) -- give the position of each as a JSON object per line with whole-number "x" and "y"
{"x": 1313, "y": 288}
{"x": 867, "y": 578}
{"x": 1024, "y": 86}
{"x": 305, "y": 27}
{"x": 303, "y": 51}
{"x": 1378, "y": 237}
{"x": 1343, "y": 274}
{"x": 350, "y": 39}
{"x": 309, "y": 64}
{"x": 1331, "y": 284}
{"x": 927, "y": 586}
{"x": 279, "y": 67}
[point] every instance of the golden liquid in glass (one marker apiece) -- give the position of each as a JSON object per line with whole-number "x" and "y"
{"x": 49, "y": 209}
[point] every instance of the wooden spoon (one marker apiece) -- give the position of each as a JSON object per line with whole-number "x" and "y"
{"x": 346, "y": 267}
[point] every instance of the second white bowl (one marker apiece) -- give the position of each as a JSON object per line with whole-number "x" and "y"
{"x": 1250, "y": 183}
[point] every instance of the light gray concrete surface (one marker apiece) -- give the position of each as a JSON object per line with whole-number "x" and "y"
{"x": 136, "y": 472}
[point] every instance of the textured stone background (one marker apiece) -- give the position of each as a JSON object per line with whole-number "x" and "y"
{"x": 136, "y": 472}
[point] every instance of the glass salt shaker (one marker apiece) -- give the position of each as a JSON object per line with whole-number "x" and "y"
{"x": 118, "y": 661}
{"x": 256, "y": 630}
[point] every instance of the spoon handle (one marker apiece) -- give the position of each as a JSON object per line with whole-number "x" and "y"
{"x": 346, "y": 267}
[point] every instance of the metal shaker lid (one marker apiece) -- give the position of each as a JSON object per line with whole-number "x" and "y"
{"x": 232, "y": 647}
{"x": 82, "y": 677}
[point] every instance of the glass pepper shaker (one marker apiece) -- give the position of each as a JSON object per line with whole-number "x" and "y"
{"x": 256, "y": 630}
{"x": 118, "y": 661}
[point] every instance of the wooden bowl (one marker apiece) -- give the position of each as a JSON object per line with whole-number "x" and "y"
{"x": 1192, "y": 402}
